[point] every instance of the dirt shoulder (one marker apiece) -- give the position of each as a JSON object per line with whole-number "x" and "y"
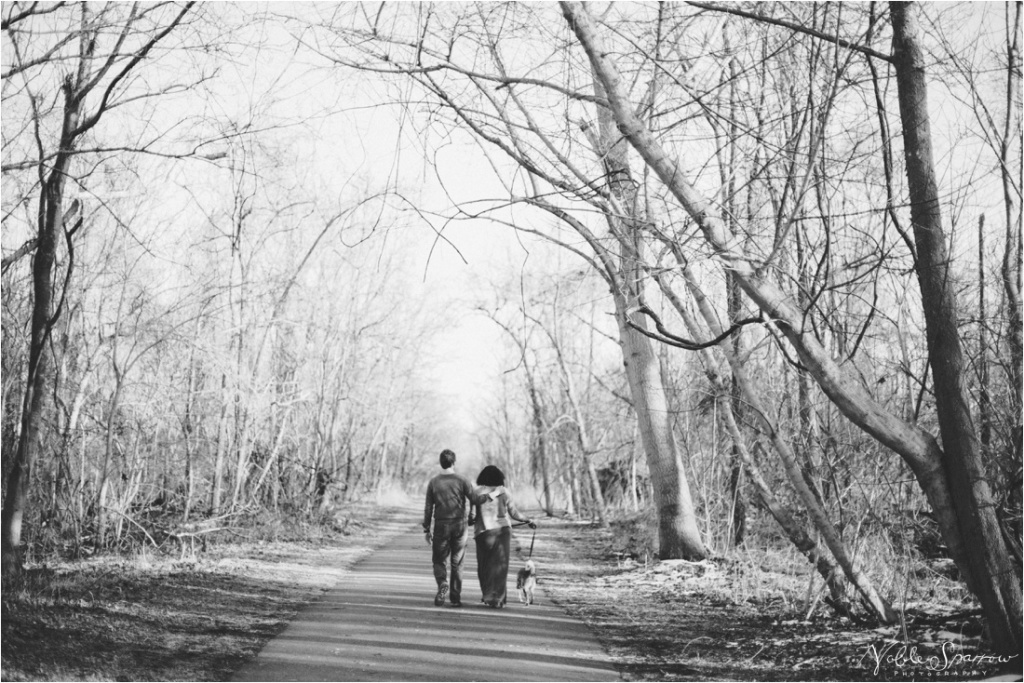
{"x": 153, "y": 617}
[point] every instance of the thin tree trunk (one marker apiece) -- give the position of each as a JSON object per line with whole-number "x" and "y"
{"x": 272, "y": 458}
{"x": 68, "y": 439}
{"x": 787, "y": 520}
{"x": 217, "y": 490}
{"x": 574, "y": 501}
{"x": 36, "y": 400}
{"x": 738, "y": 508}
{"x": 582, "y": 433}
{"x": 540, "y": 439}
{"x": 634, "y": 485}
{"x": 187, "y": 427}
{"x": 984, "y": 398}
{"x": 108, "y": 456}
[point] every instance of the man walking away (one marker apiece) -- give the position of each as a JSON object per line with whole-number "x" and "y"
{"x": 447, "y": 495}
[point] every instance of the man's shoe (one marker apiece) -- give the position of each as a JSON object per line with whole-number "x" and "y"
{"x": 439, "y": 598}
{"x": 456, "y": 603}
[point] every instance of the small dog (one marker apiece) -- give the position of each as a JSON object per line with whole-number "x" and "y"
{"x": 526, "y": 582}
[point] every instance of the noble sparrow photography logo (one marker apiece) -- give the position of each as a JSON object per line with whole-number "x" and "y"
{"x": 932, "y": 660}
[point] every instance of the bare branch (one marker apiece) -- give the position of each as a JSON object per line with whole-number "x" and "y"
{"x": 33, "y": 10}
{"x": 21, "y": 251}
{"x": 666, "y": 337}
{"x": 863, "y": 49}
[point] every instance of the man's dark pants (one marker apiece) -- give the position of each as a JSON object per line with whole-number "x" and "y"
{"x": 449, "y": 543}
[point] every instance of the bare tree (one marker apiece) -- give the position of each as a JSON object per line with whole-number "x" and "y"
{"x": 918, "y": 448}
{"x": 99, "y": 67}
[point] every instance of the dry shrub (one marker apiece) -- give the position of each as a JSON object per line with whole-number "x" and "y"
{"x": 902, "y": 558}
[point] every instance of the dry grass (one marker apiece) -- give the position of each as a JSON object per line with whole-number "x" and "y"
{"x": 752, "y": 614}
{"x": 152, "y": 617}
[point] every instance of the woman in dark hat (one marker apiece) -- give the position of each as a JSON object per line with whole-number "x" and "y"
{"x": 493, "y": 535}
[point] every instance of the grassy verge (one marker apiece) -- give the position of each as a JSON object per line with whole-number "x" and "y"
{"x": 153, "y": 617}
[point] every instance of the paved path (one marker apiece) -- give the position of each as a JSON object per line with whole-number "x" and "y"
{"x": 380, "y": 624}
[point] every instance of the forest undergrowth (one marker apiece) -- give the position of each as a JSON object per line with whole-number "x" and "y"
{"x": 756, "y": 612}
{"x": 752, "y": 613}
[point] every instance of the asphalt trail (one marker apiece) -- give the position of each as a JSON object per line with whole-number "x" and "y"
{"x": 380, "y": 624}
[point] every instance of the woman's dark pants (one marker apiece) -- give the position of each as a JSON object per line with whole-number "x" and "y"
{"x": 492, "y": 552}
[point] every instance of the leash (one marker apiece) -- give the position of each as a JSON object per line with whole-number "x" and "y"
{"x": 532, "y": 538}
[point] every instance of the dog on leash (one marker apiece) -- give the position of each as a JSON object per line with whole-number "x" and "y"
{"x": 526, "y": 582}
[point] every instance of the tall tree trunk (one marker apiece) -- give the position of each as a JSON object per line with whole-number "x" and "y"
{"x": 36, "y": 400}
{"x": 1011, "y": 168}
{"x": 678, "y": 531}
{"x": 1011, "y": 175}
{"x": 992, "y": 575}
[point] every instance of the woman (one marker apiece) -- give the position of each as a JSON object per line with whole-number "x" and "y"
{"x": 493, "y": 535}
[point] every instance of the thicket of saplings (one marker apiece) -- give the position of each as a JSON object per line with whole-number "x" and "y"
{"x": 155, "y": 517}
{"x": 870, "y": 495}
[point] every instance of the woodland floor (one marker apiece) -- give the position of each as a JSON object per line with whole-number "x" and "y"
{"x": 747, "y": 619}
{"x": 153, "y": 617}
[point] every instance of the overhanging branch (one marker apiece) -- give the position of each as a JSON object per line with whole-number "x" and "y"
{"x": 666, "y": 337}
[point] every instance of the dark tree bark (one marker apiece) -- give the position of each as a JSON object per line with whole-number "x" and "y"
{"x": 984, "y": 378}
{"x": 30, "y": 443}
{"x": 92, "y": 73}
{"x": 737, "y": 502}
{"x": 1011, "y": 169}
{"x": 990, "y": 570}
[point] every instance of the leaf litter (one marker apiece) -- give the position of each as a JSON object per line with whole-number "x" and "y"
{"x": 726, "y": 619}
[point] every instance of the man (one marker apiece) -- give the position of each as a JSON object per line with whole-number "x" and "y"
{"x": 447, "y": 494}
